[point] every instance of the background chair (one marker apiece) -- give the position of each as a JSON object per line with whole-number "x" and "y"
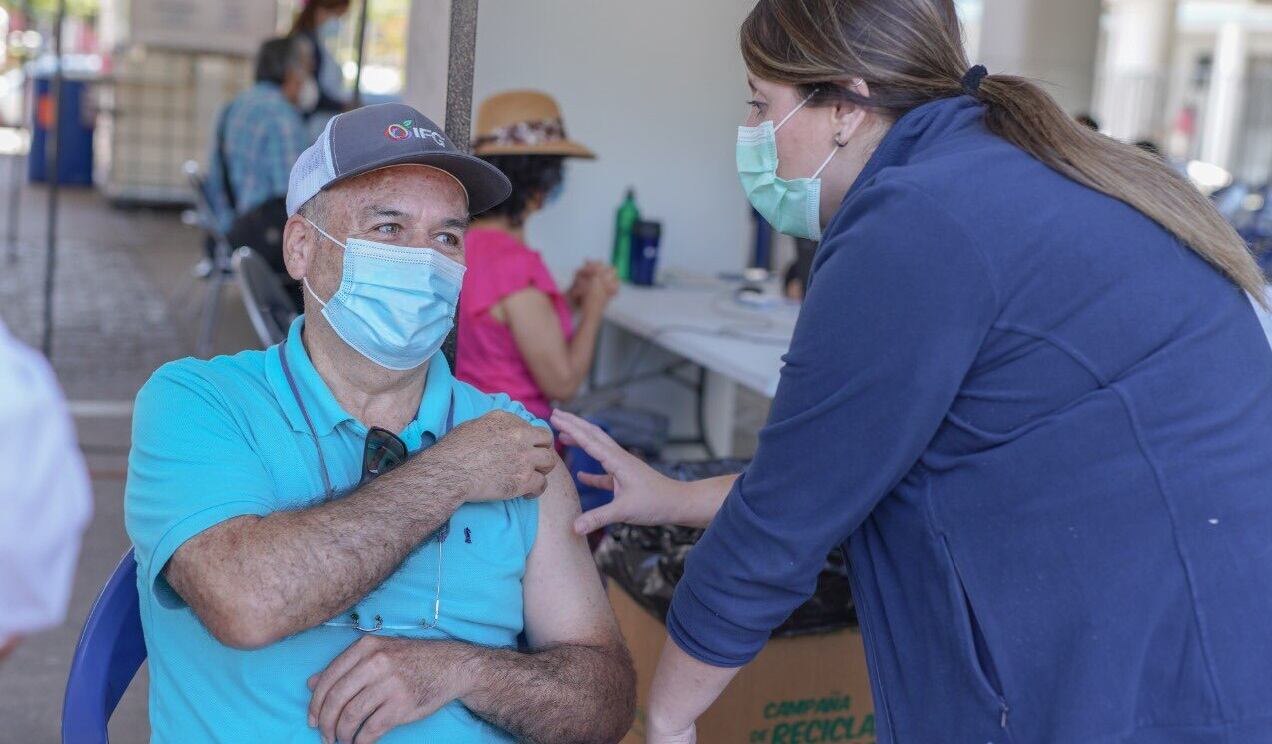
{"x": 269, "y": 305}
{"x": 111, "y": 649}
{"x": 219, "y": 268}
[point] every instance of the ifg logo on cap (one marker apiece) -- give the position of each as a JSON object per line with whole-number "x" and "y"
{"x": 407, "y": 129}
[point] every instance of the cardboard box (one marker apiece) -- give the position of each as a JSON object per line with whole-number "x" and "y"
{"x": 807, "y": 690}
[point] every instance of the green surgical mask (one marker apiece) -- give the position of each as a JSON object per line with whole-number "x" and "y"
{"x": 791, "y": 206}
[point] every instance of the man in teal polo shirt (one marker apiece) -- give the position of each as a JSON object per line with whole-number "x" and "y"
{"x": 338, "y": 541}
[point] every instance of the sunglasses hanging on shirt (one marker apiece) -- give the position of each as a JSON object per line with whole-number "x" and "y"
{"x": 382, "y": 451}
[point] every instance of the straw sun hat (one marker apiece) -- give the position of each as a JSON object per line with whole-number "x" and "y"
{"x": 523, "y": 122}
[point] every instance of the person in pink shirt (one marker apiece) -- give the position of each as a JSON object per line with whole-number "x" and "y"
{"x": 517, "y": 331}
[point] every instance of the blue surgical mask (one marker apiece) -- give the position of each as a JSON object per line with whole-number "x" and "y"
{"x": 792, "y": 206}
{"x": 395, "y": 305}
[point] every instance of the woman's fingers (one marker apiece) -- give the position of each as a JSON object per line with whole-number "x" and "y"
{"x": 591, "y": 438}
{"x": 591, "y": 521}
{"x": 603, "y": 481}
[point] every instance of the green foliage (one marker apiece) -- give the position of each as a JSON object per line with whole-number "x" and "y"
{"x": 48, "y": 8}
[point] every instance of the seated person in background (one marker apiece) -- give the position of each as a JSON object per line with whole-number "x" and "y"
{"x": 258, "y": 137}
{"x": 45, "y": 500}
{"x": 333, "y": 535}
{"x": 515, "y": 329}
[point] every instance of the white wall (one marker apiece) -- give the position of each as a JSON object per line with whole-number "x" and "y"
{"x": 1052, "y": 41}
{"x": 657, "y": 89}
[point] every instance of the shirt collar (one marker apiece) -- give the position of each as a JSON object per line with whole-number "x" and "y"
{"x": 323, "y": 408}
{"x": 437, "y": 402}
{"x": 917, "y": 129}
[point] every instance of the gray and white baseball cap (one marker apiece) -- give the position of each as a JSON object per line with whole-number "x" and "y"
{"x": 385, "y": 135}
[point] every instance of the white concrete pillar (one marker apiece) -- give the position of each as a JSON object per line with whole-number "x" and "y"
{"x": 1226, "y": 100}
{"x": 1141, "y": 42}
{"x": 1051, "y": 41}
{"x": 428, "y": 58}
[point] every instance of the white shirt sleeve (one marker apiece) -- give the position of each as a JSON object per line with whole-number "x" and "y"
{"x": 45, "y": 497}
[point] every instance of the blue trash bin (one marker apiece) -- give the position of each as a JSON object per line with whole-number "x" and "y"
{"x": 75, "y": 164}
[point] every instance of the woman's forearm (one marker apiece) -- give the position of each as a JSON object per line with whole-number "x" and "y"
{"x": 703, "y": 499}
{"x": 682, "y": 690}
{"x": 582, "y": 346}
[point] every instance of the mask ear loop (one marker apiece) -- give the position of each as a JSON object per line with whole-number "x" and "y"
{"x": 794, "y": 111}
{"x": 305, "y": 279}
{"x": 838, "y": 146}
{"x": 325, "y": 234}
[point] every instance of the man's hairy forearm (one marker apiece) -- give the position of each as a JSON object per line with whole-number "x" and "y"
{"x": 568, "y": 694}
{"x": 256, "y": 580}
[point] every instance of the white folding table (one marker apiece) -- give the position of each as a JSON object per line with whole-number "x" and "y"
{"x": 702, "y": 323}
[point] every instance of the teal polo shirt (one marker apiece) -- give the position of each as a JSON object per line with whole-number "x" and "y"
{"x": 218, "y": 439}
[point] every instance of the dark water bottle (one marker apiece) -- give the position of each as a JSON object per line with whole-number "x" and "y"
{"x": 646, "y": 240}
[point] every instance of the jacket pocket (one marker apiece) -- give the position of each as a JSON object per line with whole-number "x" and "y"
{"x": 975, "y": 648}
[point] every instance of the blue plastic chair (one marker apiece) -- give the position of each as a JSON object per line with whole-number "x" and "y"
{"x": 111, "y": 649}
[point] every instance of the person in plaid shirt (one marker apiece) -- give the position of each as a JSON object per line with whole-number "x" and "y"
{"x": 262, "y": 132}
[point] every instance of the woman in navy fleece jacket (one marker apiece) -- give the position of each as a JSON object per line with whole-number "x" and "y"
{"x": 1027, "y": 393}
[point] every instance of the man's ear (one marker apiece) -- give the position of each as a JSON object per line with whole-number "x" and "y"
{"x": 298, "y": 246}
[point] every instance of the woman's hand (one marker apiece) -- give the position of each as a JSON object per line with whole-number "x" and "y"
{"x": 681, "y": 736}
{"x": 595, "y": 284}
{"x": 642, "y": 495}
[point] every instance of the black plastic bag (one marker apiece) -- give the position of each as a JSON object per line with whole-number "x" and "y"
{"x": 647, "y": 562}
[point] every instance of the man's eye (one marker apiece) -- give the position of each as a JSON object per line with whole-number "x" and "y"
{"x": 449, "y": 240}
{"x": 389, "y": 229}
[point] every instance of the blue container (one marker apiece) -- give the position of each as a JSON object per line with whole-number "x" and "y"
{"x": 75, "y": 143}
{"x": 646, "y": 239}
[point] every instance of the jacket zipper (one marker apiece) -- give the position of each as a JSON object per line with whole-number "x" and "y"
{"x": 1003, "y": 708}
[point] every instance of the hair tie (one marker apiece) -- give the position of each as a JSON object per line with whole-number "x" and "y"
{"x": 973, "y": 78}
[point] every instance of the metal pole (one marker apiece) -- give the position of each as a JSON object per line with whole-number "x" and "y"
{"x": 15, "y": 197}
{"x": 55, "y": 158}
{"x": 362, "y": 46}
{"x": 459, "y": 98}
{"x": 459, "y": 81}
{"x": 15, "y": 162}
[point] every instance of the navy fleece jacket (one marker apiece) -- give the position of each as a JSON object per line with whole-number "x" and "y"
{"x": 1042, "y": 429}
